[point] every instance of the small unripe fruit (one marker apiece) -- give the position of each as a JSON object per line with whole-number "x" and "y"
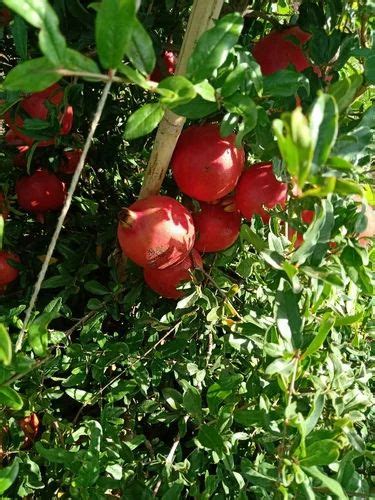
{"x": 281, "y": 49}
{"x": 205, "y": 165}
{"x": 259, "y": 188}
{"x": 165, "y": 67}
{"x": 40, "y": 192}
{"x": 156, "y": 232}
{"x": 216, "y": 229}
{"x": 8, "y": 272}
{"x": 165, "y": 281}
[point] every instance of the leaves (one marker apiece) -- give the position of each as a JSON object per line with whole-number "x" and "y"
{"x": 8, "y": 475}
{"x": 176, "y": 91}
{"x": 115, "y": 23}
{"x": 38, "y": 329}
{"x": 210, "y": 438}
{"x": 213, "y": 47}
{"x": 322, "y": 452}
{"x": 285, "y": 83}
{"x": 5, "y": 346}
{"x": 10, "y": 398}
{"x": 324, "y": 128}
{"x": 140, "y": 51}
{"x": 288, "y": 317}
{"x": 32, "y": 76}
{"x": 326, "y": 481}
{"x": 143, "y": 121}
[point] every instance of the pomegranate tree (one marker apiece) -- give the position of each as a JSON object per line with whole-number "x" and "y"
{"x": 8, "y": 272}
{"x": 156, "y": 232}
{"x": 257, "y": 189}
{"x": 166, "y": 66}
{"x": 281, "y": 49}
{"x": 205, "y": 165}
{"x": 165, "y": 281}
{"x": 36, "y": 106}
{"x": 216, "y": 228}
{"x": 40, "y": 192}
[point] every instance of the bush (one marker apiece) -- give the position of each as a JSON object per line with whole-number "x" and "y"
{"x": 257, "y": 382}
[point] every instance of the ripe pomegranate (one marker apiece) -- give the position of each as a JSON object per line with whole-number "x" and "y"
{"x": 30, "y": 427}
{"x": 165, "y": 281}
{"x": 34, "y": 106}
{"x": 4, "y": 211}
{"x": 8, "y": 272}
{"x": 307, "y": 217}
{"x": 5, "y": 17}
{"x": 40, "y": 192}
{"x": 258, "y": 188}
{"x": 216, "y": 228}
{"x": 281, "y": 49}
{"x": 156, "y": 232}
{"x": 70, "y": 161}
{"x": 165, "y": 67}
{"x": 205, "y": 165}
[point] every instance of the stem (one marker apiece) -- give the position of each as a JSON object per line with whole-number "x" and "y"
{"x": 95, "y": 76}
{"x": 65, "y": 209}
{"x": 201, "y": 18}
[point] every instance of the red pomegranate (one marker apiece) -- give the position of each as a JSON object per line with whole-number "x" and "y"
{"x": 8, "y": 272}
{"x": 70, "y": 161}
{"x": 281, "y": 49}
{"x": 30, "y": 427}
{"x": 35, "y": 106}
{"x": 258, "y": 188}
{"x": 5, "y": 17}
{"x": 165, "y": 281}
{"x": 40, "y": 192}
{"x": 12, "y": 139}
{"x": 156, "y": 232}
{"x": 307, "y": 217}
{"x": 216, "y": 229}
{"x": 165, "y": 67}
{"x": 4, "y": 210}
{"x": 205, "y": 165}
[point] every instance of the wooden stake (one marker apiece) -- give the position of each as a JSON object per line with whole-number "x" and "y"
{"x": 201, "y": 19}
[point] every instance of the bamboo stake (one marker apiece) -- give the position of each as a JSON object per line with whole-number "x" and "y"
{"x": 201, "y": 19}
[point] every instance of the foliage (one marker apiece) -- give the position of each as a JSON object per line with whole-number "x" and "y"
{"x": 257, "y": 384}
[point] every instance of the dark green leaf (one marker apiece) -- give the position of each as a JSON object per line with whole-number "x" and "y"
{"x": 140, "y": 50}
{"x": 324, "y": 127}
{"x": 32, "y": 76}
{"x": 213, "y": 47}
{"x": 285, "y": 83}
{"x": 20, "y": 37}
{"x": 210, "y": 438}
{"x": 75, "y": 61}
{"x": 143, "y": 121}
{"x": 197, "y": 108}
{"x": 115, "y": 22}
{"x": 288, "y": 316}
{"x": 38, "y": 329}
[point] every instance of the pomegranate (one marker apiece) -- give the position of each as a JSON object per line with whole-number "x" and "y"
{"x": 40, "y": 192}
{"x": 156, "y": 232}
{"x": 281, "y": 49}
{"x": 34, "y": 106}
{"x": 30, "y": 427}
{"x": 5, "y": 17}
{"x": 205, "y": 165}
{"x": 70, "y": 161}
{"x": 8, "y": 272}
{"x": 258, "y": 188}
{"x": 4, "y": 211}
{"x": 216, "y": 228}
{"x": 307, "y": 217}
{"x": 165, "y": 281}
{"x": 165, "y": 67}
{"x": 12, "y": 139}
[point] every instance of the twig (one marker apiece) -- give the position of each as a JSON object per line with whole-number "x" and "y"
{"x": 65, "y": 210}
{"x": 170, "y": 458}
{"x": 223, "y": 294}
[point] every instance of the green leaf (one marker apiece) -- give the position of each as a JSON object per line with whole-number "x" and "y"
{"x": 5, "y": 346}
{"x": 326, "y": 481}
{"x": 75, "y": 61}
{"x": 345, "y": 90}
{"x": 285, "y": 83}
{"x": 32, "y": 76}
{"x": 322, "y": 452}
{"x": 10, "y": 398}
{"x": 324, "y": 119}
{"x": 8, "y": 475}
{"x": 55, "y": 455}
{"x": 197, "y": 108}
{"x": 326, "y": 324}
{"x": 140, "y": 51}
{"x": 20, "y": 37}
{"x": 96, "y": 288}
{"x": 134, "y": 76}
{"x": 210, "y": 438}
{"x": 41, "y": 15}
{"x": 205, "y": 90}
{"x": 80, "y": 395}
{"x": 115, "y": 22}
{"x": 192, "y": 401}
{"x": 288, "y": 317}
{"x": 38, "y": 329}
{"x": 213, "y": 47}
{"x": 315, "y": 412}
{"x": 143, "y": 121}
{"x": 280, "y": 366}
{"x": 176, "y": 91}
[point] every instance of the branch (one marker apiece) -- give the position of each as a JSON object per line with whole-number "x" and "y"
{"x": 64, "y": 210}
